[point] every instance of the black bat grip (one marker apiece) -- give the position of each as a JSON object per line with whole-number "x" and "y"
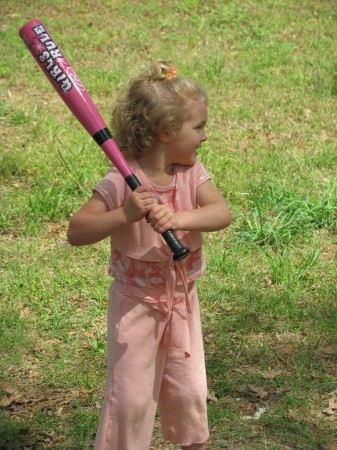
{"x": 179, "y": 251}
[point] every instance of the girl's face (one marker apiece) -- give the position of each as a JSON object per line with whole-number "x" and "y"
{"x": 183, "y": 145}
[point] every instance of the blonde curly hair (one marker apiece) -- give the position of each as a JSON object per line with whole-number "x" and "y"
{"x": 152, "y": 101}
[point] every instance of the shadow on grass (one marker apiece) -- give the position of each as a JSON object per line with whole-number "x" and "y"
{"x": 14, "y": 435}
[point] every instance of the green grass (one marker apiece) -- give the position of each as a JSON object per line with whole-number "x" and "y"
{"x": 269, "y": 296}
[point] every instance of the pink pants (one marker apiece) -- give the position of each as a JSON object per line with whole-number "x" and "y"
{"x": 143, "y": 373}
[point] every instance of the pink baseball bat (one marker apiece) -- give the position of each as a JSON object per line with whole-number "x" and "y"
{"x": 70, "y": 88}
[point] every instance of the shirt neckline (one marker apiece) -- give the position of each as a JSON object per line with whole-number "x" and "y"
{"x": 157, "y": 187}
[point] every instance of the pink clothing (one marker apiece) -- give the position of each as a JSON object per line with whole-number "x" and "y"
{"x": 148, "y": 281}
{"x": 138, "y": 240}
{"x": 140, "y": 256}
{"x": 142, "y": 373}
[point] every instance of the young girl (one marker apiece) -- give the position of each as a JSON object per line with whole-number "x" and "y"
{"x": 154, "y": 346}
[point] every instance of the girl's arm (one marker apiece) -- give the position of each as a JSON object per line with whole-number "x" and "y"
{"x": 95, "y": 222}
{"x": 213, "y": 213}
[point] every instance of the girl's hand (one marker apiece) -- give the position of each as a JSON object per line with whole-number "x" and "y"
{"x": 162, "y": 218}
{"x": 140, "y": 203}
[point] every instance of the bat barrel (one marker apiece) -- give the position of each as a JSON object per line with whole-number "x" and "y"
{"x": 61, "y": 75}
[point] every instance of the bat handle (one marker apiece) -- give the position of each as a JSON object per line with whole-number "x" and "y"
{"x": 179, "y": 251}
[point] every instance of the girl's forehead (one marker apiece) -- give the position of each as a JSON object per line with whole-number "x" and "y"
{"x": 197, "y": 108}
{"x": 193, "y": 101}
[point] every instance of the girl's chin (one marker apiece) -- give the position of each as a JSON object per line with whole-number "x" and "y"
{"x": 188, "y": 161}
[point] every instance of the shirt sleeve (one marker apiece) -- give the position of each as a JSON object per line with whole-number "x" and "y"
{"x": 202, "y": 174}
{"x": 112, "y": 189}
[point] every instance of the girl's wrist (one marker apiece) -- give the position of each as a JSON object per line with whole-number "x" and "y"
{"x": 123, "y": 216}
{"x": 178, "y": 220}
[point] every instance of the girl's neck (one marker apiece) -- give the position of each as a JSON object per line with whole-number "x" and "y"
{"x": 156, "y": 168}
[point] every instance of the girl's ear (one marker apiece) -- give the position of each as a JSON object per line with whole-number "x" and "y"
{"x": 164, "y": 133}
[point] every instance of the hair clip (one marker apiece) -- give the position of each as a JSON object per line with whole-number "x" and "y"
{"x": 172, "y": 73}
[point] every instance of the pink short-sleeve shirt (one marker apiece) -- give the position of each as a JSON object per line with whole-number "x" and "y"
{"x": 139, "y": 255}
